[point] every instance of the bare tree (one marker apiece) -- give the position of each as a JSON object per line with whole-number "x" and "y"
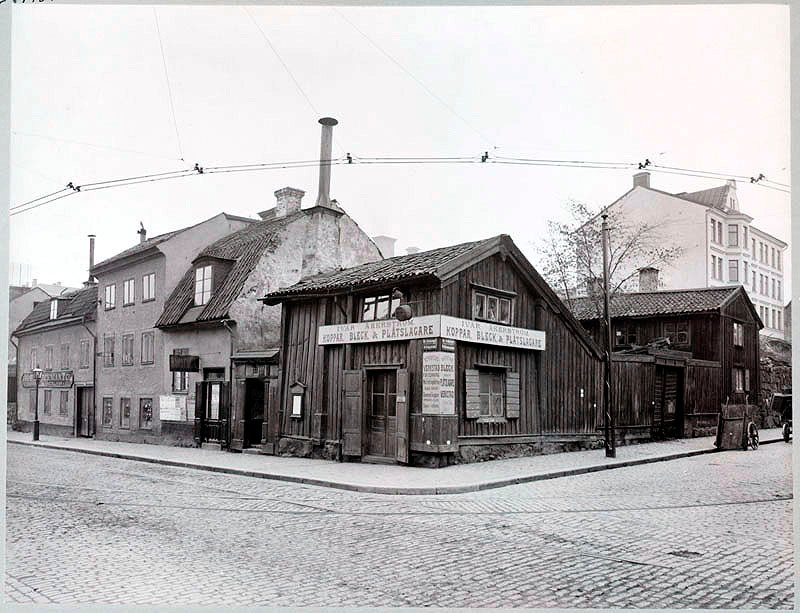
{"x": 572, "y": 257}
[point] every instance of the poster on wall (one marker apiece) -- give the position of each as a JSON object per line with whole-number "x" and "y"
{"x": 172, "y": 408}
{"x": 438, "y": 383}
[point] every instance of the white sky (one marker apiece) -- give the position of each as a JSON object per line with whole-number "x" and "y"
{"x": 703, "y": 87}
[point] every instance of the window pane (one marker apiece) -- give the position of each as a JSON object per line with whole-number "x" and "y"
{"x": 382, "y": 311}
{"x": 479, "y": 306}
{"x": 213, "y": 401}
{"x": 393, "y": 307}
{"x": 378, "y": 405}
{"x": 491, "y": 308}
{"x": 146, "y": 413}
{"x": 108, "y": 408}
{"x": 485, "y": 400}
{"x": 391, "y": 405}
{"x": 368, "y": 313}
{"x": 485, "y": 382}
{"x": 497, "y": 405}
{"x": 505, "y": 310}
{"x": 497, "y": 384}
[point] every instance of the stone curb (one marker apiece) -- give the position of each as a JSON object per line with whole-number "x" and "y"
{"x": 374, "y": 489}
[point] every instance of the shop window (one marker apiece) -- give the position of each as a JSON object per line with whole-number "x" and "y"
{"x": 149, "y": 287}
{"x": 108, "y": 411}
{"x": 110, "y": 297}
{"x": 108, "y": 350}
{"x": 488, "y": 307}
{"x": 128, "y": 292}
{"x": 677, "y": 332}
{"x": 125, "y": 413}
{"x": 625, "y": 336}
{"x": 65, "y": 356}
{"x": 146, "y": 413}
{"x": 85, "y": 352}
{"x": 180, "y": 380}
{"x": 202, "y": 285}
{"x": 738, "y": 334}
{"x": 492, "y": 394}
{"x": 63, "y": 402}
{"x": 148, "y": 348}
{"x": 48, "y": 357}
{"x": 48, "y": 402}
{"x": 127, "y": 349}
{"x": 379, "y": 307}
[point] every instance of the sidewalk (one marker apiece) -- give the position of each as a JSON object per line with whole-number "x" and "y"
{"x": 390, "y": 479}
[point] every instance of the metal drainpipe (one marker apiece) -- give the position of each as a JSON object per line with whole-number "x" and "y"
{"x": 16, "y": 351}
{"x": 224, "y": 323}
{"x": 94, "y": 374}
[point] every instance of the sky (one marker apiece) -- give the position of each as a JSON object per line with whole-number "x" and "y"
{"x": 95, "y": 98}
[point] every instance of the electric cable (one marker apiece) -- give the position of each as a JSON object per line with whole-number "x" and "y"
{"x": 169, "y": 87}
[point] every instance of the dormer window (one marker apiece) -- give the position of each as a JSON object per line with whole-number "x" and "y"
{"x": 202, "y": 285}
{"x": 489, "y": 307}
{"x": 379, "y": 307}
{"x": 54, "y": 308}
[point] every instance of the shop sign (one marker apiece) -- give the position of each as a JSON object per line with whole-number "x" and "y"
{"x": 61, "y": 378}
{"x": 430, "y": 344}
{"x": 448, "y": 344}
{"x": 172, "y": 408}
{"x": 438, "y": 383}
{"x": 431, "y": 326}
{"x": 382, "y": 331}
{"x": 184, "y": 363}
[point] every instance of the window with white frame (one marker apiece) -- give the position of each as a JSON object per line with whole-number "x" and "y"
{"x": 127, "y": 349}
{"x": 488, "y": 307}
{"x": 772, "y": 284}
{"x": 719, "y": 269}
{"x": 128, "y": 292}
{"x": 773, "y": 257}
{"x": 713, "y": 267}
{"x": 744, "y": 237}
{"x": 54, "y": 308}
{"x": 110, "y": 297}
{"x": 149, "y": 287}
{"x": 745, "y": 276}
{"x": 754, "y": 281}
{"x": 148, "y": 351}
{"x": 108, "y": 411}
{"x": 780, "y": 292}
{"x": 125, "y": 413}
{"x": 754, "y": 248}
{"x": 733, "y": 270}
{"x": 738, "y": 375}
{"x": 202, "y": 285}
{"x": 780, "y": 321}
{"x": 108, "y": 350}
{"x": 733, "y": 235}
{"x": 677, "y": 332}
{"x": 375, "y": 308}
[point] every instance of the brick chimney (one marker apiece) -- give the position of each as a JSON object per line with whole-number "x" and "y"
{"x": 641, "y": 179}
{"x": 412, "y": 250}
{"x": 142, "y": 233}
{"x": 288, "y": 202}
{"x": 648, "y": 279}
{"x": 325, "y": 153}
{"x": 385, "y": 244}
{"x": 91, "y": 261}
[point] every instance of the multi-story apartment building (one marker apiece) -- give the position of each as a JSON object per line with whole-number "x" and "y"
{"x": 720, "y": 245}
{"x": 132, "y": 288}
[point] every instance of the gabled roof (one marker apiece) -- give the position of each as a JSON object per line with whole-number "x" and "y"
{"x": 244, "y": 247}
{"x": 157, "y": 240}
{"x": 662, "y": 302}
{"x": 80, "y": 303}
{"x": 402, "y": 267}
{"x": 436, "y": 264}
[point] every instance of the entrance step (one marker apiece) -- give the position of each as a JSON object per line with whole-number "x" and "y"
{"x": 212, "y": 446}
{"x": 252, "y": 450}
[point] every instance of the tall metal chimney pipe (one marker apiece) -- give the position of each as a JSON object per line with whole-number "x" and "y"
{"x": 91, "y": 257}
{"x": 324, "y": 197}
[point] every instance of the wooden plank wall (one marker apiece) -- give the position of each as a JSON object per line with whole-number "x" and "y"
{"x": 633, "y": 392}
{"x": 703, "y": 393}
{"x": 747, "y": 356}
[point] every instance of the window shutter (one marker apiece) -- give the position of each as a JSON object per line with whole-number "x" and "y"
{"x": 351, "y": 422}
{"x": 473, "y": 398}
{"x": 512, "y": 395}
{"x": 401, "y": 412}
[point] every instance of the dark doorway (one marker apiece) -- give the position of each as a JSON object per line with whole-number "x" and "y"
{"x": 381, "y": 409}
{"x": 84, "y": 410}
{"x": 253, "y": 411}
{"x": 669, "y": 400}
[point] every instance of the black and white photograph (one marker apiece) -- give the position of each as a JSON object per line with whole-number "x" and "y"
{"x": 419, "y": 306}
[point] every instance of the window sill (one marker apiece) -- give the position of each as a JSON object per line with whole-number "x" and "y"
{"x": 109, "y": 308}
{"x": 491, "y": 420}
{"x": 148, "y": 300}
{"x": 127, "y": 304}
{"x": 491, "y": 321}
{"x": 186, "y": 392}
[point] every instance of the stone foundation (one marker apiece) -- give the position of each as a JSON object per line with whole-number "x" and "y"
{"x": 44, "y": 428}
{"x": 468, "y": 454}
{"x": 295, "y": 447}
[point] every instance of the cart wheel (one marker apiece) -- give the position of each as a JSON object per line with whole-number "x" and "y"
{"x": 754, "y": 440}
{"x": 786, "y": 432}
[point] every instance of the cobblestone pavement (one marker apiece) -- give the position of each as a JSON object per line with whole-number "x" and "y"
{"x": 712, "y": 531}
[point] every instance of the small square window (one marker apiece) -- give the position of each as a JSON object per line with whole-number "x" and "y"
{"x": 491, "y": 308}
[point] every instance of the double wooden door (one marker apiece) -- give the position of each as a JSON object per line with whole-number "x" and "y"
{"x": 375, "y": 421}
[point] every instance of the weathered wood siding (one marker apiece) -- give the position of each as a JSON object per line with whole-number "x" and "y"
{"x": 747, "y": 356}
{"x": 633, "y": 390}
{"x": 704, "y": 392}
{"x": 565, "y": 369}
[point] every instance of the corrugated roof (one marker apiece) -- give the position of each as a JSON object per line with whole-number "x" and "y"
{"x": 78, "y": 303}
{"x": 424, "y": 263}
{"x": 245, "y": 247}
{"x": 664, "y": 302}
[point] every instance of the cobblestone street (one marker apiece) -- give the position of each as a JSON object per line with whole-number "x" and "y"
{"x": 710, "y": 531}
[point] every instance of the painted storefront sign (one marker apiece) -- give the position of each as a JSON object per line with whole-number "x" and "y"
{"x": 61, "y": 379}
{"x": 438, "y": 383}
{"x": 431, "y": 326}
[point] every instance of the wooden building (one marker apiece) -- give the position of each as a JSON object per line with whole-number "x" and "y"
{"x": 481, "y": 360}
{"x": 679, "y": 355}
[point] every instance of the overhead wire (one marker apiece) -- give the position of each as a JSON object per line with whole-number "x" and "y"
{"x": 169, "y": 87}
{"x": 354, "y": 159}
{"x": 94, "y": 145}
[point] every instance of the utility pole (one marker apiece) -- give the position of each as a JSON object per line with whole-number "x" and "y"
{"x": 611, "y": 449}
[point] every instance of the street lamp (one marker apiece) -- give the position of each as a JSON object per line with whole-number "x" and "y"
{"x": 37, "y": 376}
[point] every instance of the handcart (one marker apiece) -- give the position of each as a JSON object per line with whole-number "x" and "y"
{"x": 782, "y": 405}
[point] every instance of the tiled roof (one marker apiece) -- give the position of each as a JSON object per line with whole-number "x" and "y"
{"x": 78, "y": 303}
{"x": 642, "y": 304}
{"x": 421, "y": 264}
{"x": 150, "y": 242}
{"x": 716, "y": 197}
{"x": 245, "y": 247}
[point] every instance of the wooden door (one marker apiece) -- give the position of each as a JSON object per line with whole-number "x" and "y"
{"x": 381, "y": 406}
{"x": 401, "y": 437}
{"x": 254, "y": 411}
{"x": 353, "y": 413}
